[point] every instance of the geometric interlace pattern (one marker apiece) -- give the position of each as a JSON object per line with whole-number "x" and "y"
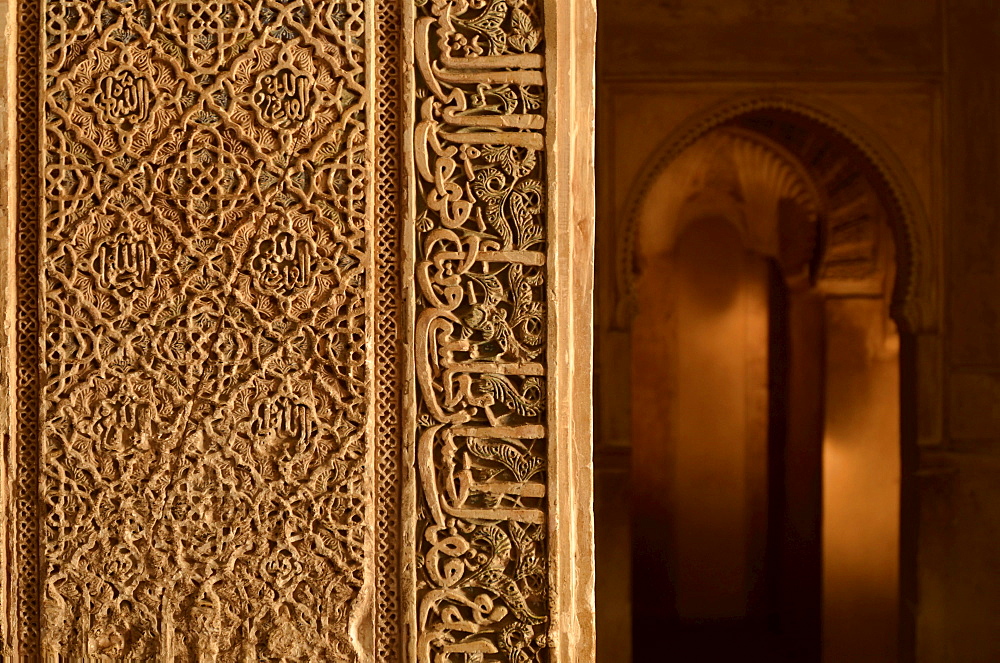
{"x": 204, "y": 356}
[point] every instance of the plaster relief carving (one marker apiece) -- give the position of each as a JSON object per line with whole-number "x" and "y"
{"x": 856, "y": 247}
{"x": 747, "y": 179}
{"x": 235, "y": 438}
{"x": 481, "y": 530}
{"x": 204, "y": 389}
{"x": 124, "y": 96}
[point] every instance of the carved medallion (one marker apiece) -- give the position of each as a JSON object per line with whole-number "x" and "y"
{"x": 124, "y": 96}
{"x": 283, "y": 98}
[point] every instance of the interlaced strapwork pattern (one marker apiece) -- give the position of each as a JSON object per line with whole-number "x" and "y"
{"x": 204, "y": 385}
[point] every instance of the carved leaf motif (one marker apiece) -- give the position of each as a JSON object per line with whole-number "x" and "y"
{"x": 490, "y": 24}
{"x": 521, "y": 465}
{"x": 523, "y": 36}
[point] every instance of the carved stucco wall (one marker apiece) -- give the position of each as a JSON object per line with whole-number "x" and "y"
{"x": 480, "y": 338}
{"x": 287, "y": 280}
{"x": 203, "y": 393}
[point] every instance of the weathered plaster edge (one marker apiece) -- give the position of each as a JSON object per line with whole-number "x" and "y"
{"x": 363, "y": 617}
{"x": 408, "y": 315}
{"x": 8, "y": 335}
{"x": 570, "y": 71}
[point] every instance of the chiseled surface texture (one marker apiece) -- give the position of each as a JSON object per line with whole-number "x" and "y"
{"x": 481, "y": 530}
{"x": 203, "y": 329}
{"x": 286, "y": 272}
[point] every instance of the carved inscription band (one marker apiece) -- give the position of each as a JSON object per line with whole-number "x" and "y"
{"x": 218, "y": 454}
{"x": 479, "y": 344}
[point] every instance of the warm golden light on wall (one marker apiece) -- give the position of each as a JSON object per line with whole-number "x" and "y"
{"x": 765, "y": 419}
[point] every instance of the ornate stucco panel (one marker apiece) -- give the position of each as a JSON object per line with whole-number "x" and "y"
{"x": 284, "y": 310}
{"x": 203, "y": 270}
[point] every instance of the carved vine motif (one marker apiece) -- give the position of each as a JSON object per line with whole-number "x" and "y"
{"x": 480, "y": 332}
{"x": 204, "y": 391}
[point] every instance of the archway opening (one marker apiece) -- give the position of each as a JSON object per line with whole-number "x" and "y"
{"x": 765, "y": 419}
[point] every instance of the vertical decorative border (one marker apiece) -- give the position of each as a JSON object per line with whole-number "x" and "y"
{"x": 26, "y": 561}
{"x": 9, "y": 622}
{"x": 479, "y": 233}
{"x": 387, "y": 117}
{"x": 463, "y": 599}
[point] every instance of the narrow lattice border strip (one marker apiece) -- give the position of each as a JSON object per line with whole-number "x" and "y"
{"x": 388, "y": 297}
{"x": 26, "y": 569}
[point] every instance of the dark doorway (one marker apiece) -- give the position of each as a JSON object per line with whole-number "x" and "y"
{"x": 727, "y": 567}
